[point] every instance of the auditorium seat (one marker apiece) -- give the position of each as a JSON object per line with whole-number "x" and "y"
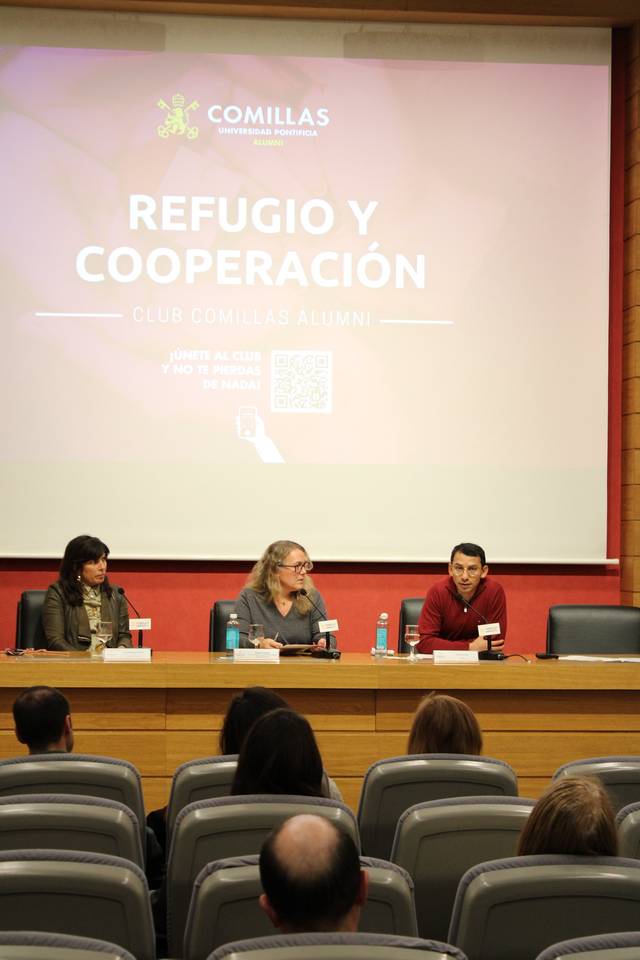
{"x": 230, "y": 827}
{"x": 438, "y": 841}
{"x": 218, "y": 617}
{"x": 337, "y": 946}
{"x": 620, "y": 776}
{"x": 29, "y": 629}
{"x": 393, "y": 785}
{"x": 28, "y": 945}
{"x": 605, "y": 946}
{"x": 593, "y": 629}
{"x": 84, "y": 894}
{"x": 202, "y": 779}
{"x": 516, "y": 907}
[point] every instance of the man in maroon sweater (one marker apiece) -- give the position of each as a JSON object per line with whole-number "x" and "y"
{"x": 454, "y": 608}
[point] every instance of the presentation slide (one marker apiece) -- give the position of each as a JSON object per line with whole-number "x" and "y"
{"x": 356, "y": 300}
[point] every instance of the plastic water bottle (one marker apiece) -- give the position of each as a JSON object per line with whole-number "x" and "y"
{"x": 382, "y": 634}
{"x": 233, "y": 632}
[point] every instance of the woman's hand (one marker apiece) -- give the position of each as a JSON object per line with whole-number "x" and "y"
{"x": 266, "y": 642}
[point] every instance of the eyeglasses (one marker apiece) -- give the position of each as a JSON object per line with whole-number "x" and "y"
{"x": 298, "y": 567}
{"x": 471, "y": 571}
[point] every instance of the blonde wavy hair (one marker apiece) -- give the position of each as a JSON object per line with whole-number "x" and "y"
{"x": 264, "y": 575}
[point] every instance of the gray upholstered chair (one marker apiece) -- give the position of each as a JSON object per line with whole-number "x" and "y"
{"x": 593, "y": 629}
{"x": 438, "y": 841}
{"x": 620, "y": 775}
{"x": 410, "y": 609}
{"x": 21, "y": 945}
{"x": 84, "y": 894}
{"x": 69, "y": 822}
{"x": 211, "y": 830}
{"x": 75, "y": 773}
{"x": 628, "y": 826}
{"x": 337, "y": 946}
{"x": 513, "y": 909}
{"x": 393, "y": 785}
{"x": 606, "y": 946}
{"x": 203, "y": 779}
{"x": 224, "y": 904}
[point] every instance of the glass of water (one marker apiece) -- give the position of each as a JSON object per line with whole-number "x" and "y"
{"x": 104, "y": 633}
{"x": 256, "y": 633}
{"x": 412, "y": 638}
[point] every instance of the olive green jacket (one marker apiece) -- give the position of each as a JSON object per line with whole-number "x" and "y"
{"x": 67, "y": 627}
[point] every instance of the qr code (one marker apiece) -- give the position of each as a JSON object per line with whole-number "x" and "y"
{"x": 301, "y": 381}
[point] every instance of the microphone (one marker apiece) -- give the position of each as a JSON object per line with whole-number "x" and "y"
{"x": 305, "y": 593}
{"x": 487, "y": 654}
{"x": 123, "y": 594}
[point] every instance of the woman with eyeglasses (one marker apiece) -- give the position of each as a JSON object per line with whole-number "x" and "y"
{"x": 271, "y": 597}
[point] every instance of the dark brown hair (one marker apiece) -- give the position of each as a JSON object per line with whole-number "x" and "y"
{"x": 279, "y": 755}
{"x": 243, "y": 711}
{"x": 573, "y": 816}
{"x": 444, "y": 724}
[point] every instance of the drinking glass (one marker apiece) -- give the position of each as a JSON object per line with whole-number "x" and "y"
{"x": 104, "y": 632}
{"x": 412, "y": 638}
{"x": 256, "y": 633}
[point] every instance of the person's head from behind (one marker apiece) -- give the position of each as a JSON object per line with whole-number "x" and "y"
{"x": 243, "y": 711}
{"x": 311, "y": 877}
{"x": 279, "y": 755}
{"x": 573, "y": 816}
{"x": 444, "y": 724}
{"x": 84, "y": 564}
{"x": 42, "y": 718}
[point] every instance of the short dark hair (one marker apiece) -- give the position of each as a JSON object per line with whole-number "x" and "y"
{"x": 279, "y": 755}
{"x": 470, "y": 550}
{"x": 573, "y": 816}
{"x": 81, "y": 550}
{"x": 313, "y": 900}
{"x": 39, "y": 714}
{"x": 243, "y": 711}
{"x": 444, "y": 724}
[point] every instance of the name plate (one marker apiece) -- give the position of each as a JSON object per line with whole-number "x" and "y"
{"x": 142, "y": 623}
{"x": 127, "y": 655}
{"x": 488, "y": 629}
{"x": 455, "y": 656}
{"x": 253, "y": 654}
{"x": 328, "y": 626}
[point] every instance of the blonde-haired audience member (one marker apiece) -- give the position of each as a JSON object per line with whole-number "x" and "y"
{"x": 573, "y": 816}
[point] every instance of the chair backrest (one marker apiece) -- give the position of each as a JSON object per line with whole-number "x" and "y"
{"x": 337, "y": 946}
{"x": 218, "y": 617}
{"x": 620, "y": 776}
{"x": 63, "y": 822}
{"x": 605, "y": 946}
{"x": 628, "y": 827}
{"x": 202, "y": 779}
{"x": 512, "y": 909}
{"x": 224, "y": 904}
{"x": 21, "y": 945}
{"x": 392, "y": 786}
{"x": 84, "y": 894}
{"x": 438, "y": 841}
{"x": 593, "y": 628}
{"x": 29, "y": 629}
{"x": 211, "y": 830}
{"x": 410, "y": 609}
{"x": 75, "y": 773}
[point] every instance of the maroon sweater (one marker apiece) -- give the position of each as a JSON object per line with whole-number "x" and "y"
{"x": 443, "y": 623}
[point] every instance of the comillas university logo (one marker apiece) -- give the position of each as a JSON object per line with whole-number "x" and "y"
{"x": 268, "y": 119}
{"x": 176, "y": 122}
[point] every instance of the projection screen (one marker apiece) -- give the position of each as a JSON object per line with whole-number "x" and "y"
{"x": 340, "y": 283}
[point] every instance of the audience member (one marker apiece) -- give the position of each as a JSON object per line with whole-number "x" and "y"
{"x": 573, "y": 816}
{"x": 280, "y": 755}
{"x": 42, "y": 718}
{"x": 444, "y": 724}
{"x": 311, "y": 877}
{"x": 243, "y": 711}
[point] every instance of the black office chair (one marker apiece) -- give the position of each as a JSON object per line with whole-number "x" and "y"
{"x": 29, "y": 630}
{"x": 593, "y": 629}
{"x": 218, "y": 617}
{"x": 410, "y": 609}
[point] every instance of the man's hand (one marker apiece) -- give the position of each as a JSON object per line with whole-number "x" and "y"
{"x": 481, "y": 643}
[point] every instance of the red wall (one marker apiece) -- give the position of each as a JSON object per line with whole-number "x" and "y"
{"x": 177, "y": 596}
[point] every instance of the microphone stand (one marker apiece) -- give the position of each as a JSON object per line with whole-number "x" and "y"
{"x": 487, "y": 654}
{"x": 320, "y": 654}
{"x": 122, "y": 593}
